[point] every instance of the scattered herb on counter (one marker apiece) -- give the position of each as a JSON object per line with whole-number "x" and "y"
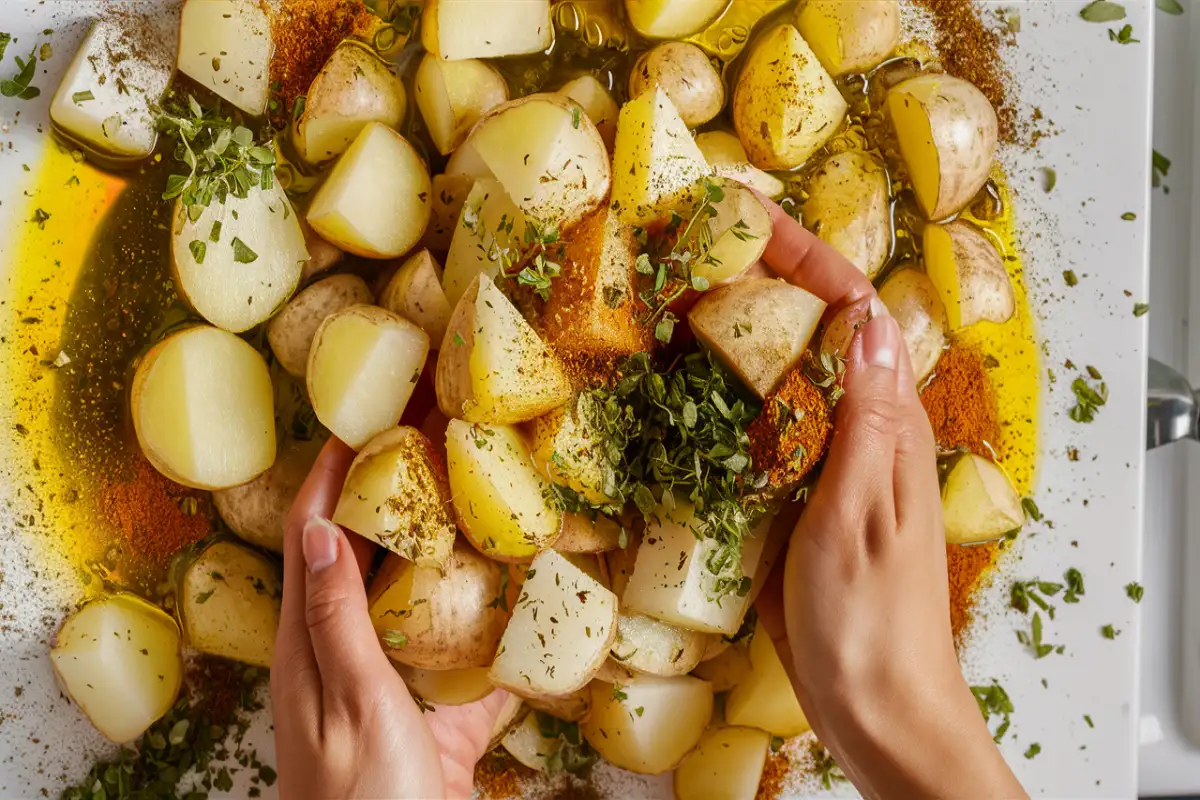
{"x": 1033, "y": 750}
{"x": 1088, "y": 399}
{"x": 1109, "y": 632}
{"x": 1088, "y": 719}
{"x": 1074, "y": 579}
{"x": 573, "y": 754}
{"x": 18, "y": 85}
{"x": 825, "y": 767}
{"x": 1025, "y": 592}
{"x": 1103, "y": 11}
{"x": 1070, "y": 278}
{"x": 1033, "y": 639}
{"x": 1141, "y": 309}
{"x": 1171, "y": 7}
{"x": 1123, "y": 36}
{"x": 994, "y": 702}
{"x": 1049, "y": 179}
{"x": 1160, "y": 165}
{"x": 5, "y": 38}
{"x": 1129, "y": 216}
{"x": 1134, "y": 591}
{"x": 40, "y": 218}
{"x": 1031, "y": 509}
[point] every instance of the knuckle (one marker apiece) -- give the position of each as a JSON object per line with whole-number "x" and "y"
{"x": 875, "y": 415}
{"x": 324, "y": 606}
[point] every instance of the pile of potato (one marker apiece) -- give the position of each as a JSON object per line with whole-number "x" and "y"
{"x": 488, "y": 582}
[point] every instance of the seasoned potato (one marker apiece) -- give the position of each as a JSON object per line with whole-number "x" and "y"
{"x": 447, "y": 687}
{"x": 597, "y": 102}
{"x": 449, "y": 194}
{"x": 489, "y": 224}
{"x": 256, "y": 511}
{"x": 979, "y": 502}
{"x": 500, "y": 499}
{"x": 672, "y": 19}
{"x": 526, "y": 743}
{"x": 566, "y": 447}
{"x": 511, "y": 714}
{"x": 947, "y": 131}
{"x": 848, "y": 206}
{"x": 204, "y": 410}
{"x": 458, "y": 29}
{"x": 453, "y": 95}
{"x": 354, "y": 88}
{"x": 569, "y": 707}
{"x": 560, "y": 631}
{"x": 322, "y": 256}
{"x": 765, "y": 699}
{"x": 911, "y": 298}
{"x": 240, "y": 260}
{"x": 728, "y": 159}
{"x": 728, "y": 669}
{"x": 225, "y": 46}
{"x": 758, "y": 327}
{"x": 969, "y": 274}
{"x": 728, "y": 763}
{"x": 583, "y": 535}
{"x": 850, "y": 35}
{"x": 492, "y": 366}
{"x": 397, "y": 494}
{"x": 785, "y": 105}
{"x": 290, "y": 332}
{"x": 118, "y": 658}
{"x": 229, "y": 604}
{"x": 736, "y": 234}
{"x": 438, "y": 619}
{"x": 656, "y": 162}
{"x": 375, "y": 202}
{"x": 684, "y": 72}
{"x": 415, "y": 293}
{"x": 674, "y": 713}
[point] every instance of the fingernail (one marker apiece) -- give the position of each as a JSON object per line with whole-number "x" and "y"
{"x": 878, "y": 309}
{"x": 880, "y": 343}
{"x": 320, "y": 543}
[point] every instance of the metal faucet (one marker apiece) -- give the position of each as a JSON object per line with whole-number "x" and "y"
{"x": 1172, "y": 408}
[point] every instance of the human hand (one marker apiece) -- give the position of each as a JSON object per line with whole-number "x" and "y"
{"x": 345, "y": 723}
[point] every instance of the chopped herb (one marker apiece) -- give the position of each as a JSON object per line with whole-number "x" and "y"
{"x": 994, "y": 701}
{"x": 575, "y": 117}
{"x": 198, "y": 249}
{"x": 1134, "y": 591}
{"x": 1088, "y": 719}
{"x": 1160, "y": 165}
{"x": 665, "y": 328}
{"x": 1170, "y": 7}
{"x": 18, "y": 86}
{"x": 1033, "y": 750}
{"x": 1103, "y": 11}
{"x": 826, "y": 768}
{"x": 45, "y": 52}
{"x": 571, "y": 753}
{"x": 1129, "y": 216}
{"x": 639, "y": 710}
{"x": 1049, "y": 179}
{"x": 458, "y": 339}
{"x": 1070, "y": 278}
{"x": 394, "y": 639}
{"x": 242, "y": 254}
{"x": 5, "y": 38}
{"x": 1088, "y": 400}
{"x": 1109, "y": 632}
{"x": 1123, "y": 36}
{"x": 619, "y": 694}
{"x": 1074, "y": 579}
{"x": 1141, "y": 309}
{"x": 82, "y": 97}
{"x": 1031, "y": 509}
{"x": 202, "y": 598}
{"x": 40, "y": 218}
{"x": 776, "y": 743}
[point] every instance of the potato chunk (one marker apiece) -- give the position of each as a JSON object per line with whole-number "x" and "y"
{"x": 492, "y": 366}
{"x": 225, "y": 46}
{"x": 911, "y": 298}
{"x": 968, "y": 274}
{"x": 728, "y": 159}
{"x": 229, "y": 602}
{"x": 458, "y": 29}
{"x": 529, "y": 746}
{"x": 672, "y": 717}
{"x": 449, "y": 194}
{"x": 204, "y": 409}
{"x": 453, "y": 95}
{"x": 489, "y": 225}
{"x": 785, "y": 105}
{"x": 672, "y": 19}
{"x": 290, "y": 332}
{"x": 256, "y": 511}
{"x": 597, "y": 102}
{"x": 118, "y": 658}
{"x": 500, "y": 500}
{"x": 728, "y": 763}
{"x": 568, "y": 707}
{"x": 583, "y": 535}
{"x": 850, "y": 35}
{"x": 979, "y": 502}
{"x": 687, "y": 76}
{"x": 415, "y": 293}
{"x": 765, "y": 698}
{"x": 447, "y": 687}
{"x": 566, "y": 447}
{"x": 736, "y": 234}
{"x": 726, "y": 670}
{"x": 849, "y": 207}
{"x": 560, "y": 632}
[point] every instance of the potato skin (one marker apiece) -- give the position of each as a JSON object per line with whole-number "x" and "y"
{"x": 848, "y": 207}
{"x": 686, "y": 75}
{"x": 986, "y": 291}
{"x": 850, "y": 35}
{"x": 256, "y": 511}
{"x": 912, "y": 300}
{"x": 290, "y": 333}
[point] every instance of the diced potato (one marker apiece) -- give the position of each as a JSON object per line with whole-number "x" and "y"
{"x": 727, "y": 670}
{"x": 453, "y": 95}
{"x": 435, "y": 619}
{"x": 290, "y": 332}
{"x": 240, "y": 260}
{"x": 354, "y": 88}
{"x": 225, "y": 46}
{"x": 566, "y": 447}
{"x": 651, "y": 646}
{"x": 569, "y": 707}
{"x": 758, "y": 327}
{"x": 560, "y": 632}
{"x": 500, "y": 499}
{"x": 968, "y": 274}
{"x": 363, "y": 366}
{"x": 528, "y": 746}
{"x": 256, "y": 511}
{"x": 583, "y": 535}
{"x": 449, "y": 194}
{"x": 590, "y": 564}
{"x": 849, "y": 207}
{"x": 728, "y": 764}
{"x": 398, "y": 495}
{"x": 672, "y": 717}
{"x": 979, "y": 502}
{"x": 458, "y": 29}
{"x": 548, "y": 156}
{"x": 736, "y": 234}
{"x": 613, "y": 672}
{"x": 765, "y": 698}
{"x": 728, "y": 159}
{"x": 375, "y": 202}
{"x": 656, "y": 163}
{"x": 492, "y": 366}
{"x": 204, "y": 409}
{"x": 447, "y": 687}
{"x": 89, "y": 106}
{"x": 911, "y": 298}
{"x": 511, "y": 714}
{"x": 850, "y": 35}
{"x": 415, "y": 293}
{"x": 785, "y": 105}
{"x": 489, "y": 224}
{"x": 685, "y": 73}
{"x": 597, "y": 102}
{"x": 229, "y": 603}
{"x": 118, "y": 658}
{"x": 465, "y": 162}
{"x": 947, "y": 131}
{"x": 672, "y": 19}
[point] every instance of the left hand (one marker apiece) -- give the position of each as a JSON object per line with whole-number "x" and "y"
{"x": 345, "y": 723}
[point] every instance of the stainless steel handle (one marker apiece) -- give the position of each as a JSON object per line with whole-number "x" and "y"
{"x": 1171, "y": 407}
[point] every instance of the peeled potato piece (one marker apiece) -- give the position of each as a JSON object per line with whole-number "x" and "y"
{"x": 415, "y": 293}
{"x": 726, "y": 670}
{"x": 912, "y": 299}
{"x": 569, "y": 707}
{"x": 229, "y": 602}
{"x": 947, "y": 131}
{"x": 204, "y": 409}
{"x": 765, "y": 698}
{"x": 225, "y": 46}
{"x": 256, "y": 511}
{"x": 850, "y": 35}
{"x": 566, "y": 446}
{"x": 398, "y": 495}
{"x": 528, "y": 746}
{"x": 849, "y": 207}
{"x": 737, "y": 233}
{"x": 489, "y": 224}
{"x": 728, "y": 159}
{"x": 597, "y": 102}
{"x": 449, "y": 194}
{"x": 458, "y": 29}
{"x": 362, "y": 368}
{"x": 969, "y": 275}
{"x": 447, "y": 687}
{"x": 979, "y": 502}
{"x": 672, "y": 717}
{"x": 500, "y": 500}
{"x": 727, "y": 764}
{"x": 672, "y": 19}
{"x": 511, "y": 714}
{"x": 290, "y": 332}
{"x": 686, "y": 75}
{"x": 118, "y": 658}
{"x": 453, "y": 95}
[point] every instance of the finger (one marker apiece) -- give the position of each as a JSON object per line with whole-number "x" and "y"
{"x": 773, "y": 619}
{"x": 916, "y": 480}
{"x": 462, "y": 734}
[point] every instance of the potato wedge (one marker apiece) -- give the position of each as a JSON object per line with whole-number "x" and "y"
{"x": 656, "y": 163}
{"x": 728, "y": 669}
{"x": 674, "y": 713}
{"x": 565, "y": 444}
{"x": 290, "y": 332}
{"x": 597, "y": 102}
{"x": 849, "y": 207}
{"x": 225, "y": 46}
{"x": 415, "y": 293}
{"x": 511, "y": 714}
{"x": 569, "y": 707}
{"x": 968, "y": 274}
{"x": 489, "y": 225}
{"x": 728, "y": 159}
{"x": 397, "y": 494}
{"x": 736, "y": 234}
{"x": 453, "y": 95}
{"x": 979, "y": 502}
{"x": 758, "y": 327}
{"x": 785, "y": 105}
{"x": 447, "y": 687}
{"x": 672, "y": 19}
{"x": 493, "y": 367}
{"x": 500, "y": 499}
{"x": 375, "y": 202}
{"x": 850, "y": 35}
{"x": 526, "y": 743}
{"x": 435, "y": 619}
{"x": 912, "y": 299}
{"x": 256, "y": 511}
{"x": 118, "y": 658}
{"x": 583, "y": 535}
{"x": 727, "y": 763}
{"x": 192, "y": 432}
{"x": 947, "y": 131}
{"x": 354, "y": 88}
{"x": 685, "y": 73}
{"x": 560, "y": 632}
{"x": 765, "y": 698}
{"x": 458, "y": 29}
{"x": 229, "y": 601}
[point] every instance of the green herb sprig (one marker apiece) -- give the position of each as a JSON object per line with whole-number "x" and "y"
{"x": 19, "y": 86}
{"x": 572, "y": 755}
